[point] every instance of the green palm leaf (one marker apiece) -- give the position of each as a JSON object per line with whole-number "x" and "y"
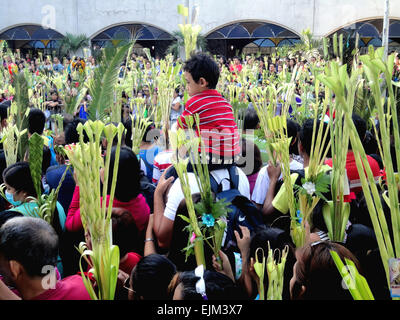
{"x": 20, "y": 85}
{"x": 104, "y": 79}
{"x": 35, "y": 161}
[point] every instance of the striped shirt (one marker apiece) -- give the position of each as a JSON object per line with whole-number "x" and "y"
{"x": 162, "y": 161}
{"x": 217, "y": 123}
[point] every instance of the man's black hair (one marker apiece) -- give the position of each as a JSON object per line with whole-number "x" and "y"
{"x": 201, "y": 65}
{"x": 36, "y": 121}
{"x": 30, "y": 241}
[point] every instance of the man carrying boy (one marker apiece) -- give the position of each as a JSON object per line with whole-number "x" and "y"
{"x": 221, "y": 137}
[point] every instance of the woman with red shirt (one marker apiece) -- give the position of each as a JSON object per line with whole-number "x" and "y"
{"x": 127, "y": 193}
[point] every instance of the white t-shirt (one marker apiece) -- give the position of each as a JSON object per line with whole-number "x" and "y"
{"x": 262, "y": 183}
{"x": 175, "y": 195}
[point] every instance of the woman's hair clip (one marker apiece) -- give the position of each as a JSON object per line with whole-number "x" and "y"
{"x": 200, "y": 284}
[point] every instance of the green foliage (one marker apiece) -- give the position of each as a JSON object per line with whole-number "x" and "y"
{"x": 102, "y": 84}
{"x": 71, "y": 43}
{"x": 35, "y": 161}
{"x": 21, "y": 110}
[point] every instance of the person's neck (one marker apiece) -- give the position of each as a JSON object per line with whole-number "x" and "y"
{"x": 32, "y": 288}
{"x": 123, "y": 259}
{"x": 306, "y": 159}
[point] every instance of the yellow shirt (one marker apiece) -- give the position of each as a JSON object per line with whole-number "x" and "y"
{"x": 280, "y": 201}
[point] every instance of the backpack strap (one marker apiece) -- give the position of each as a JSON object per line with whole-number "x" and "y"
{"x": 215, "y": 187}
{"x": 234, "y": 177}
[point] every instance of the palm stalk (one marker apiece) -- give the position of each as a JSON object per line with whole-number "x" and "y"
{"x": 275, "y": 271}
{"x": 374, "y": 66}
{"x": 139, "y": 124}
{"x": 190, "y": 32}
{"x": 21, "y": 110}
{"x": 336, "y": 214}
{"x": 102, "y": 83}
{"x": 259, "y": 268}
{"x": 355, "y": 282}
{"x": 35, "y": 161}
{"x": 11, "y": 140}
{"x": 86, "y": 158}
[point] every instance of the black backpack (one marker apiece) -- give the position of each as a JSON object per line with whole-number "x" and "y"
{"x": 243, "y": 211}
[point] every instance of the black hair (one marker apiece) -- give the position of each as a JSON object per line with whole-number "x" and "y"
{"x": 125, "y": 232}
{"x": 36, "y": 121}
{"x": 7, "y": 215}
{"x": 218, "y": 286}
{"x": 254, "y": 158}
{"x": 128, "y": 135}
{"x": 71, "y": 134}
{"x": 128, "y": 177}
{"x": 3, "y": 111}
{"x": 152, "y": 276}
{"x": 293, "y": 129}
{"x": 277, "y": 239}
{"x": 306, "y": 134}
{"x": 361, "y": 126}
{"x": 46, "y": 158}
{"x": 30, "y": 241}
{"x": 201, "y": 65}
{"x": 251, "y": 120}
{"x": 18, "y": 176}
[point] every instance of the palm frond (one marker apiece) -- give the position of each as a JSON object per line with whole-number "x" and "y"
{"x": 102, "y": 84}
{"x": 20, "y": 85}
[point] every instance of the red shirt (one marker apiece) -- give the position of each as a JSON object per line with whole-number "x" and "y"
{"x": 130, "y": 262}
{"x": 137, "y": 206}
{"x": 352, "y": 172}
{"x": 217, "y": 123}
{"x": 70, "y": 288}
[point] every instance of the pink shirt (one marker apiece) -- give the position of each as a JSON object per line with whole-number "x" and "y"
{"x": 252, "y": 181}
{"x": 70, "y": 288}
{"x": 138, "y": 207}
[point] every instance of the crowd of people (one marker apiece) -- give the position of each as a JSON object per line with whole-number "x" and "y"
{"x": 149, "y": 200}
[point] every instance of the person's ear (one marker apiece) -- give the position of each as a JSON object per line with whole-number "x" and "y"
{"x": 203, "y": 82}
{"x": 16, "y": 269}
{"x": 302, "y": 292}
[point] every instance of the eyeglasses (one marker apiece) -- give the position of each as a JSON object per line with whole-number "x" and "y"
{"x": 127, "y": 286}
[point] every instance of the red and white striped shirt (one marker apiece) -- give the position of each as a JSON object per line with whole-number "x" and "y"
{"x": 162, "y": 161}
{"x": 217, "y": 123}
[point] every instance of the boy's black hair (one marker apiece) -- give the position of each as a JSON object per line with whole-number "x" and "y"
{"x": 36, "y": 121}
{"x": 201, "y": 65}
